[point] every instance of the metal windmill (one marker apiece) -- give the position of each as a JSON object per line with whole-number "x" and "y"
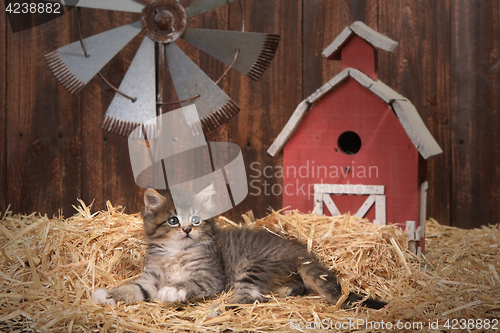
{"x": 139, "y": 96}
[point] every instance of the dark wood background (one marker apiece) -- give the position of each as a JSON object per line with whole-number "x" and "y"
{"x": 53, "y": 151}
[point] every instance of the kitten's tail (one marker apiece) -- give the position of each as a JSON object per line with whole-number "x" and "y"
{"x": 316, "y": 277}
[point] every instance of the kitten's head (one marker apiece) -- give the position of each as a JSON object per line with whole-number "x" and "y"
{"x": 178, "y": 226}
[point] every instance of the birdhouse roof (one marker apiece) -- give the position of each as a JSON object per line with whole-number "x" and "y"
{"x": 362, "y": 30}
{"x": 406, "y": 113}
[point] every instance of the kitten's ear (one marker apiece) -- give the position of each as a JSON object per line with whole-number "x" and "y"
{"x": 152, "y": 200}
{"x": 204, "y": 198}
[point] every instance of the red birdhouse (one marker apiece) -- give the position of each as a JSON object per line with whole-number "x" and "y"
{"x": 355, "y": 145}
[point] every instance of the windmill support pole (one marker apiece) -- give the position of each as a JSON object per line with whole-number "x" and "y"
{"x": 160, "y": 72}
{"x": 160, "y": 66}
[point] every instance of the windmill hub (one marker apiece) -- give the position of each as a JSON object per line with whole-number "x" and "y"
{"x": 164, "y": 20}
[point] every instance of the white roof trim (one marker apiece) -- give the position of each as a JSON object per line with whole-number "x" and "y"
{"x": 338, "y": 42}
{"x": 373, "y": 37}
{"x": 385, "y": 92}
{"x": 415, "y": 128}
{"x": 362, "y": 30}
{"x": 290, "y": 127}
{"x": 328, "y": 86}
{"x": 406, "y": 113}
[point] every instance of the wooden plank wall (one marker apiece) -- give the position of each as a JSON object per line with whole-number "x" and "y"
{"x": 475, "y": 112}
{"x": 3, "y": 112}
{"x": 43, "y": 135}
{"x": 52, "y": 150}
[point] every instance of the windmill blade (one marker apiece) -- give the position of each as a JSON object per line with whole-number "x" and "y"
{"x": 118, "y": 5}
{"x": 74, "y": 70}
{"x": 201, "y": 6}
{"x": 256, "y": 49}
{"x": 214, "y": 106}
{"x": 123, "y": 114}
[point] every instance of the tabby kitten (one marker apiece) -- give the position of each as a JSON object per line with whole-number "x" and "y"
{"x": 190, "y": 259}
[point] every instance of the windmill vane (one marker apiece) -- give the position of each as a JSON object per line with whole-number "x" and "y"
{"x": 137, "y": 98}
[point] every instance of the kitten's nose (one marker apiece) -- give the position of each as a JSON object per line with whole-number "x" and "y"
{"x": 187, "y": 230}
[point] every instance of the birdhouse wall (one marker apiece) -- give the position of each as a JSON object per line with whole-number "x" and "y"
{"x": 387, "y": 157}
{"x": 359, "y": 54}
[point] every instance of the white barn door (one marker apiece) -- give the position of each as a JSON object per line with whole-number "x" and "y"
{"x": 376, "y": 196}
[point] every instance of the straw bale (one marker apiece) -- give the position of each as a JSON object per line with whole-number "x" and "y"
{"x": 50, "y": 266}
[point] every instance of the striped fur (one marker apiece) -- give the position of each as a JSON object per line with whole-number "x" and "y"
{"x": 252, "y": 262}
{"x": 179, "y": 265}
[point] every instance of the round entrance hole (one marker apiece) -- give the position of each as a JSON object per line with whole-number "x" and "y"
{"x": 349, "y": 143}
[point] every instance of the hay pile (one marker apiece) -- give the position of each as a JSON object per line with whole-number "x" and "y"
{"x": 49, "y": 267}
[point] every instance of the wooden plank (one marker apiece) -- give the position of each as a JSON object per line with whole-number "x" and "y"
{"x": 3, "y": 110}
{"x": 411, "y": 235}
{"x": 386, "y": 93}
{"x": 380, "y": 209}
{"x": 266, "y": 105}
{"x": 323, "y": 22}
{"x": 323, "y": 90}
{"x": 318, "y": 204}
{"x": 475, "y": 116}
{"x": 43, "y": 125}
{"x": 334, "y": 211}
{"x": 349, "y": 189}
{"x": 106, "y": 169}
{"x": 331, "y": 84}
{"x": 416, "y": 129}
{"x": 362, "y": 78}
{"x": 423, "y": 206}
{"x": 410, "y": 230}
{"x": 366, "y": 206}
{"x": 289, "y": 128}
{"x": 419, "y": 70}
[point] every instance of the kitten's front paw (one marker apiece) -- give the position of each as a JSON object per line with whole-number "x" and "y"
{"x": 101, "y": 296}
{"x": 171, "y": 294}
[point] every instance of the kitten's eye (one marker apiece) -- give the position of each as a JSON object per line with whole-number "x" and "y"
{"x": 196, "y": 221}
{"x": 173, "y": 221}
